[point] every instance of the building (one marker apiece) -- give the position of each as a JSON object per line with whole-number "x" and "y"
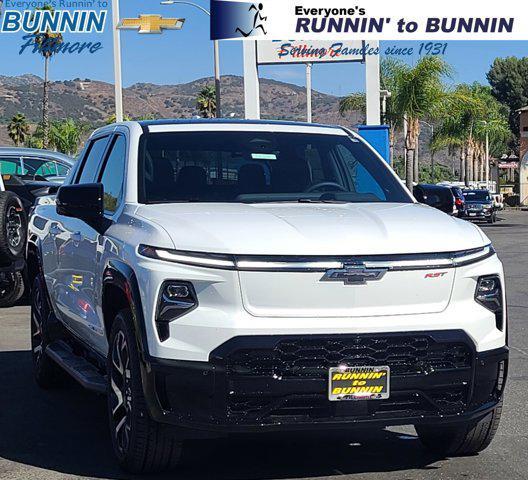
{"x": 523, "y": 156}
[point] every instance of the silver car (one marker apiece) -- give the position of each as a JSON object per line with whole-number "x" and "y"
{"x": 39, "y": 164}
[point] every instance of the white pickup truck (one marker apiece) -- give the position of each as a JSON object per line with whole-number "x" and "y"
{"x": 219, "y": 277}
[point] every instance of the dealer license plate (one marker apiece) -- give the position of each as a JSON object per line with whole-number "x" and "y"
{"x": 471, "y": 214}
{"x": 358, "y": 383}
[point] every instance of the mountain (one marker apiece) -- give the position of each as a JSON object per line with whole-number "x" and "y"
{"x": 92, "y": 101}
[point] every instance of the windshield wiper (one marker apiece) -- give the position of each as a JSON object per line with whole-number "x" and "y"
{"x": 319, "y": 200}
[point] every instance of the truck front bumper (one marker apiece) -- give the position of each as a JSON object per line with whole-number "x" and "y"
{"x": 279, "y": 383}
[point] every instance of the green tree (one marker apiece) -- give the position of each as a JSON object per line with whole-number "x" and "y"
{"x": 65, "y": 136}
{"x": 419, "y": 94}
{"x": 45, "y": 42}
{"x": 356, "y": 101}
{"x": 18, "y": 129}
{"x": 112, "y": 119}
{"x": 473, "y": 114}
{"x": 206, "y": 102}
{"x": 508, "y": 78}
{"x": 34, "y": 140}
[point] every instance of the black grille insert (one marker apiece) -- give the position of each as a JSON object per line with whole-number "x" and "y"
{"x": 285, "y": 379}
{"x": 312, "y": 357}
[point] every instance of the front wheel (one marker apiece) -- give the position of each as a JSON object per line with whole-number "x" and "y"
{"x": 47, "y": 373}
{"x": 140, "y": 444}
{"x": 462, "y": 439}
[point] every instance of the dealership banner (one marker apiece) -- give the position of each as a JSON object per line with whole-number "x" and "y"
{"x": 277, "y": 52}
{"x": 379, "y": 20}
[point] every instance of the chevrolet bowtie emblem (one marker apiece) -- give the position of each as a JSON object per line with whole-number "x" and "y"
{"x": 354, "y": 274}
{"x": 151, "y": 23}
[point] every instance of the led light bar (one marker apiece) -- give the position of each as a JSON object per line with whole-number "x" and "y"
{"x": 276, "y": 263}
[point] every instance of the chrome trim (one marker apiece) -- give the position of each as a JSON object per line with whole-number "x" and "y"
{"x": 278, "y": 263}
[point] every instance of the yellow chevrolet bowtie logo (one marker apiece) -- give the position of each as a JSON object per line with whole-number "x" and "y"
{"x": 151, "y": 23}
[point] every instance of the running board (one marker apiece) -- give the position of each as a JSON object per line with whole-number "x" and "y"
{"x": 79, "y": 368}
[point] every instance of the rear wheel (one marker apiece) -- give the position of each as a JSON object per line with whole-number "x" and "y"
{"x": 11, "y": 288}
{"x": 13, "y": 226}
{"x": 140, "y": 444}
{"x": 47, "y": 373}
{"x": 461, "y": 439}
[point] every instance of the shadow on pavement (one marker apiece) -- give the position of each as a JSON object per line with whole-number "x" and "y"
{"x": 66, "y": 431}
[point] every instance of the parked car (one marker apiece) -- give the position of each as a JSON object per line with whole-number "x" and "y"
{"x": 460, "y": 201}
{"x": 32, "y": 163}
{"x": 436, "y": 196}
{"x": 31, "y": 173}
{"x": 479, "y": 206}
{"x": 25, "y": 175}
{"x": 244, "y": 277}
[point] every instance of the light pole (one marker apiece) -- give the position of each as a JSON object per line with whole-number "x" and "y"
{"x": 432, "y": 153}
{"x": 216, "y": 51}
{"x": 309, "y": 92}
{"x": 118, "y": 82}
{"x": 384, "y": 94}
{"x": 486, "y": 166}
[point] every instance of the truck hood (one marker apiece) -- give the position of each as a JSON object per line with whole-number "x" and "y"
{"x": 312, "y": 229}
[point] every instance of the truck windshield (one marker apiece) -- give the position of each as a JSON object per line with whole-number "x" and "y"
{"x": 257, "y": 167}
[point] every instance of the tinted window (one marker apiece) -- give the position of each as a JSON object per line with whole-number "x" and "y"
{"x": 113, "y": 175}
{"x": 92, "y": 160}
{"x": 477, "y": 196}
{"x": 263, "y": 167}
{"x": 10, "y": 166}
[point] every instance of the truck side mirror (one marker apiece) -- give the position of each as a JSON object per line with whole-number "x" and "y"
{"x": 83, "y": 201}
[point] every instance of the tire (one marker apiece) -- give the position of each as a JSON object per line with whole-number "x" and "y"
{"x": 462, "y": 439}
{"x": 11, "y": 289}
{"x": 13, "y": 227}
{"x": 141, "y": 445}
{"x": 46, "y": 372}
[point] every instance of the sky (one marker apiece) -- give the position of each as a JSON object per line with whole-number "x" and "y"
{"x": 185, "y": 55}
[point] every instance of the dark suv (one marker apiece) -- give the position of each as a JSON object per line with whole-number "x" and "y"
{"x": 436, "y": 196}
{"x": 479, "y": 206}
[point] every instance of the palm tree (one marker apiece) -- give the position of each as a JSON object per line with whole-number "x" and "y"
{"x": 18, "y": 129}
{"x": 65, "y": 136}
{"x": 206, "y": 101}
{"x": 390, "y": 71}
{"x": 419, "y": 93}
{"x": 46, "y": 42}
{"x": 474, "y": 114}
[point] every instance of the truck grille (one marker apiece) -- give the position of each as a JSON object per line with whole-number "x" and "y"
{"x": 307, "y": 357}
{"x": 286, "y": 380}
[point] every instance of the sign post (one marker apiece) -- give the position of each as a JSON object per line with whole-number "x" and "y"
{"x": 309, "y": 92}
{"x": 251, "y": 81}
{"x": 279, "y": 52}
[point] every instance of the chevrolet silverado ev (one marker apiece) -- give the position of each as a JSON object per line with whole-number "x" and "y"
{"x": 239, "y": 277}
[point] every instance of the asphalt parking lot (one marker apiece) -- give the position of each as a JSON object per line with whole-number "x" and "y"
{"x": 63, "y": 434}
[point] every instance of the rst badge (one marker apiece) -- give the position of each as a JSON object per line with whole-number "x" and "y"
{"x": 354, "y": 274}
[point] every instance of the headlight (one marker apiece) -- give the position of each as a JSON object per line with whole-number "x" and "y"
{"x": 176, "y": 299}
{"x": 489, "y": 295}
{"x": 317, "y": 263}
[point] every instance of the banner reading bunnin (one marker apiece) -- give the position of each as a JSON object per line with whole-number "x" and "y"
{"x": 373, "y": 20}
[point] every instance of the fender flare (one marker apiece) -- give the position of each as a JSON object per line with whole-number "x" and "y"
{"x": 121, "y": 275}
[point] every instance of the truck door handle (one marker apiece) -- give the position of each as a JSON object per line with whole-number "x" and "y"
{"x": 76, "y": 237}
